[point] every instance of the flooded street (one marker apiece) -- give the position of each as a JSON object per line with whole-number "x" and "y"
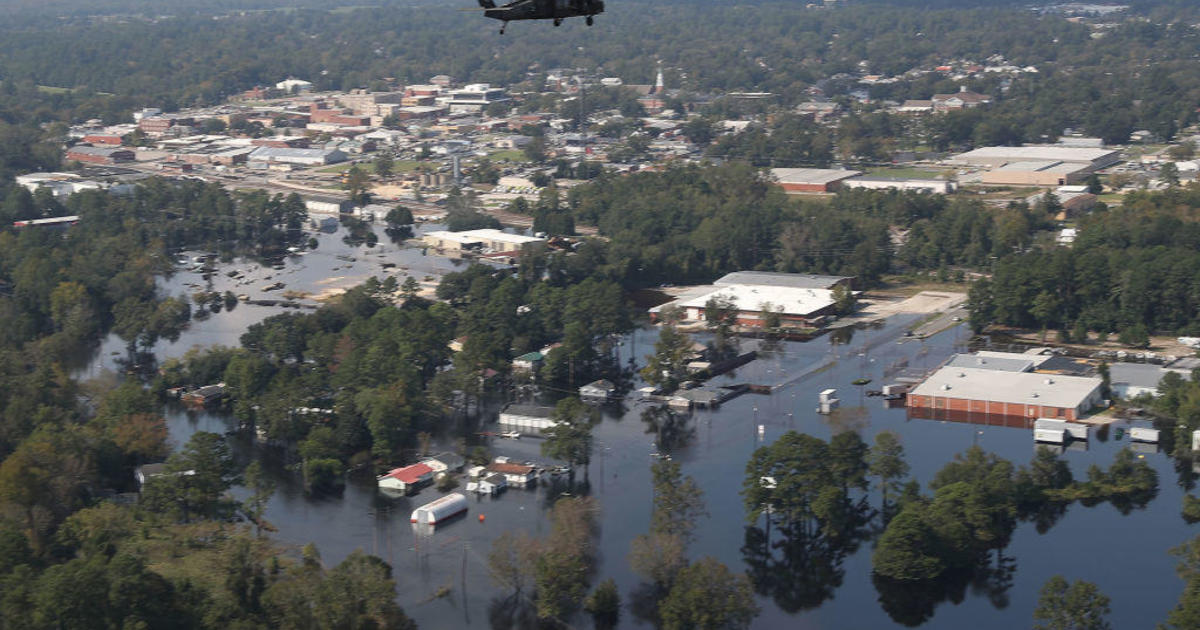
{"x": 714, "y": 446}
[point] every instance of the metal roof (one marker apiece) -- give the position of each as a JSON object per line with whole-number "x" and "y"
{"x": 532, "y": 411}
{"x": 1004, "y": 364}
{"x": 1136, "y": 374}
{"x": 780, "y": 279}
{"x": 811, "y": 175}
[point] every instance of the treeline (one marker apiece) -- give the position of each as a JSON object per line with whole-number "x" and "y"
{"x": 694, "y": 223}
{"x": 1132, "y": 269}
{"x": 778, "y": 47}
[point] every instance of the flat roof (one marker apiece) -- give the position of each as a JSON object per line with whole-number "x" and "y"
{"x": 491, "y": 234}
{"x": 1020, "y": 388}
{"x": 752, "y": 297}
{"x": 1053, "y": 153}
{"x": 1042, "y": 166}
{"x": 780, "y": 279}
{"x": 1136, "y": 374}
{"x": 1003, "y": 364}
{"x": 811, "y": 175}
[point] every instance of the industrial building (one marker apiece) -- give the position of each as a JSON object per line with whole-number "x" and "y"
{"x": 99, "y": 155}
{"x": 811, "y": 180}
{"x": 478, "y": 240}
{"x": 1004, "y": 387}
{"x": 993, "y": 157}
{"x": 798, "y": 299}
{"x": 935, "y": 186}
{"x": 1037, "y": 173}
{"x": 299, "y": 157}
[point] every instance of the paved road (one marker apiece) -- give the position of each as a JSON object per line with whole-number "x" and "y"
{"x": 943, "y": 321}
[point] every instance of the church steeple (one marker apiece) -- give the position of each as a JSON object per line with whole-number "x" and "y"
{"x": 658, "y": 81}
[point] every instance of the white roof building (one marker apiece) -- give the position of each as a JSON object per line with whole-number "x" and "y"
{"x": 1006, "y": 392}
{"x": 997, "y": 156}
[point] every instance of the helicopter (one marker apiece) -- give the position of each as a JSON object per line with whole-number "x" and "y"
{"x": 557, "y": 10}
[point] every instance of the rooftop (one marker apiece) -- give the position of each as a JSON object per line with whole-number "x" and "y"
{"x": 779, "y": 279}
{"x": 751, "y": 297}
{"x": 811, "y": 175}
{"x": 410, "y": 474}
{"x": 1022, "y": 388}
{"x": 533, "y": 411}
{"x": 1017, "y": 363}
{"x": 1051, "y": 153}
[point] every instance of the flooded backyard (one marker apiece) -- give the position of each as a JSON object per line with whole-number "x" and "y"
{"x": 1125, "y": 555}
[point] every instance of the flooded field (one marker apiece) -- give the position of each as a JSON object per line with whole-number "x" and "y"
{"x": 1126, "y": 555}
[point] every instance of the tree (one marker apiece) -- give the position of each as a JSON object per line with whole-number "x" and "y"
{"x": 604, "y": 604}
{"x": 678, "y": 500}
{"x": 1093, "y": 184}
{"x": 1045, "y": 309}
{"x": 570, "y": 437}
{"x": 667, "y": 367}
{"x": 843, "y": 300}
{"x": 708, "y": 596}
{"x": 511, "y": 561}
{"x": 720, "y": 316}
{"x": 384, "y": 164}
{"x": 357, "y": 181}
{"x": 399, "y": 216}
{"x": 1169, "y": 173}
{"x": 261, "y": 488}
{"x": 886, "y": 461}
{"x": 535, "y": 149}
{"x": 908, "y": 550}
{"x": 1077, "y": 606}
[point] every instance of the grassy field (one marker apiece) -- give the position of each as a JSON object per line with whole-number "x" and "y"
{"x": 511, "y": 155}
{"x": 908, "y": 173}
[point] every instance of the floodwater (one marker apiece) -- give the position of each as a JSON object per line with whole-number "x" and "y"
{"x": 1125, "y": 555}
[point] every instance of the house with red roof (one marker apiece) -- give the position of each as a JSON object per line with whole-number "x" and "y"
{"x": 406, "y": 479}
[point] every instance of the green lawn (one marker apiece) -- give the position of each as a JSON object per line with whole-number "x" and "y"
{"x": 512, "y": 155}
{"x": 907, "y": 173}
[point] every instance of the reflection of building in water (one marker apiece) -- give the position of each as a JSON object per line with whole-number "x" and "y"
{"x": 1016, "y": 421}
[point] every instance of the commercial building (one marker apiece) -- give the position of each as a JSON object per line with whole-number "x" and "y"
{"x": 936, "y": 186}
{"x": 478, "y": 240}
{"x": 993, "y": 157}
{"x": 299, "y": 157}
{"x": 1019, "y": 397}
{"x": 1037, "y": 173}
{"x": 327, "y": 204}
{"x": 801, "y": 300}
{"x": 811, "y": 180}
{"x": 474, "y": 98}
{"x": 99, "y": 155}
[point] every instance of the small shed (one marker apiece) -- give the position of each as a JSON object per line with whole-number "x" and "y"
{"x": 599, "y": 391}
{"x": 491, "y": 484}
{"x": 444, "y": 462}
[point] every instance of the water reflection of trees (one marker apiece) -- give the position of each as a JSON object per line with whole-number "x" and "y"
{"x": 801, "y": 569}
{"x": 912, "y": 602}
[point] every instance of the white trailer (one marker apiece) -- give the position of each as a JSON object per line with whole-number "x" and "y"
{"x": 1051, "y": 436}
{"x": 1076, "y": 430}
{"x": 439, "y": 510}
{"x": 1143, "y": 434}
